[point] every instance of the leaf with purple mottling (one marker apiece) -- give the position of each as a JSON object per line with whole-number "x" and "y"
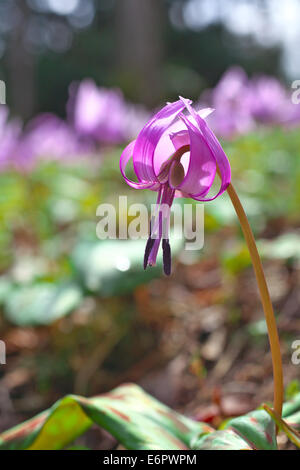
{"x": 134, "y": 418}
{"x": 283, "y": 425}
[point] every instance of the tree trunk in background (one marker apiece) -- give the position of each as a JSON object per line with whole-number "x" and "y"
{"x": 21, "y": 67}
{"x": 140, "y": 48}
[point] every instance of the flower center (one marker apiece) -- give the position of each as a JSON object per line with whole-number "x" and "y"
{"x": 172, "y": 169}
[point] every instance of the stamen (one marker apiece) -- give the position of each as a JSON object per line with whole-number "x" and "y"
{"x": 156, "y": 236}
{"x": 149, "y": 246}
{"x": 166, "y": 257}
{"x": 159, "y": 230}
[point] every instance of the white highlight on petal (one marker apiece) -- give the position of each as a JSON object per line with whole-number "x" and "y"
{"x": 205, "y": 112}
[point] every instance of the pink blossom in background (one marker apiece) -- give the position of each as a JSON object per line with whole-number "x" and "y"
{"x": 231, "y": 101}
{"x": 48, "y": 137}
{"x": 100, "y": 117}
{"x": 269, "y": 100}
{"x": 242, "y": 103}
{"x": 103, "y": 114}
{"x": 292, "y": 116}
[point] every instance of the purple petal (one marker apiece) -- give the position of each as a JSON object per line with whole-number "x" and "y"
{"x": 165, "y": 147}
{"x": 217, "y": 151}
{"x": 125, "y": 157}
{"x": 205, "y": 112}
{"x": 202, "y": 165}
{"x": 180, "y": 138}
{"x": 148, "y": 139}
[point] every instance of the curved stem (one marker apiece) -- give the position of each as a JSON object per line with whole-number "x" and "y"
{"x": 265, "y": 298}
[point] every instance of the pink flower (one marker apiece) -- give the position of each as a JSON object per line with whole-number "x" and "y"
{"x": 48, "y": 137}
{"x": 175, "y": 152}
{"x": 232, "y": 100}
{"x": 103, "y": 114}
{"x": 269, "y": 100}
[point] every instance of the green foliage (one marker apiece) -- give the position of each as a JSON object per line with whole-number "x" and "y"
{"x": 283, "y": 425}
{"x": 292, "y": 389}
{"x": 50, "y": 260}
{"x": 112, "y": 267}
{"x": 266, "y": 171}
{"x": 137, "y": 420}
{"x": 286, "y": 246}
{"x": 140, "y": 422}
{"x": 48, "y": 225}
{"x": 253, "y": 431}
{"x": 51, "y": 215}
{"x": 41, "y": 303}
{"x": 102, "y": 265}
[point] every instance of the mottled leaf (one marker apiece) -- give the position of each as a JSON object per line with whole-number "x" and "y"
{"x": 135, "y": 419}
{"x": 222, "y": 440}
{"x": 257, "y": 428}
{"x": 254, "y": 431}
{"x": 140, "y": 422}
{"x": 283, "y": 425}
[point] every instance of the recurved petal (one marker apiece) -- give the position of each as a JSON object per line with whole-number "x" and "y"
{"x": 166, "y": 146}
{"x": 205, "y": 112}
{"x": 201, "y": 169}
{"x": 149, "y": 137}
{"x": 216, "y": 149}
{"x": 180, "y": 138}
{"x": 125, "y": 157}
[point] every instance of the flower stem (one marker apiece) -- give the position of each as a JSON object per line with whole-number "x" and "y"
{"x": 265, "y": 298}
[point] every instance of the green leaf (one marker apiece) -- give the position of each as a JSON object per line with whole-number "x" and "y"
{"x": 254, "y": 431}
{"x": 222, "y": 440}
{"x": 292, "y": 389}
{"x": 289, "y": 430}
{"x": 114, "y": 267}
{"x": 5, "y": 288}
{"x": 140, "y": 422}
{"x": 137, "y": 420}
{"x": 42, "y": 303}
{"x": 292, "y": 408}
{"x": 283, "y": 247}
{"x": 257, "y": 428}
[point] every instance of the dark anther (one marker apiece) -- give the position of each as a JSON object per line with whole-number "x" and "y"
{"x": 149, "y": 245}
{"x": 166, "y": 257}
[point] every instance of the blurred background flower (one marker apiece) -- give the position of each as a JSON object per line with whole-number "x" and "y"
{"x": 102, "y": 114}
